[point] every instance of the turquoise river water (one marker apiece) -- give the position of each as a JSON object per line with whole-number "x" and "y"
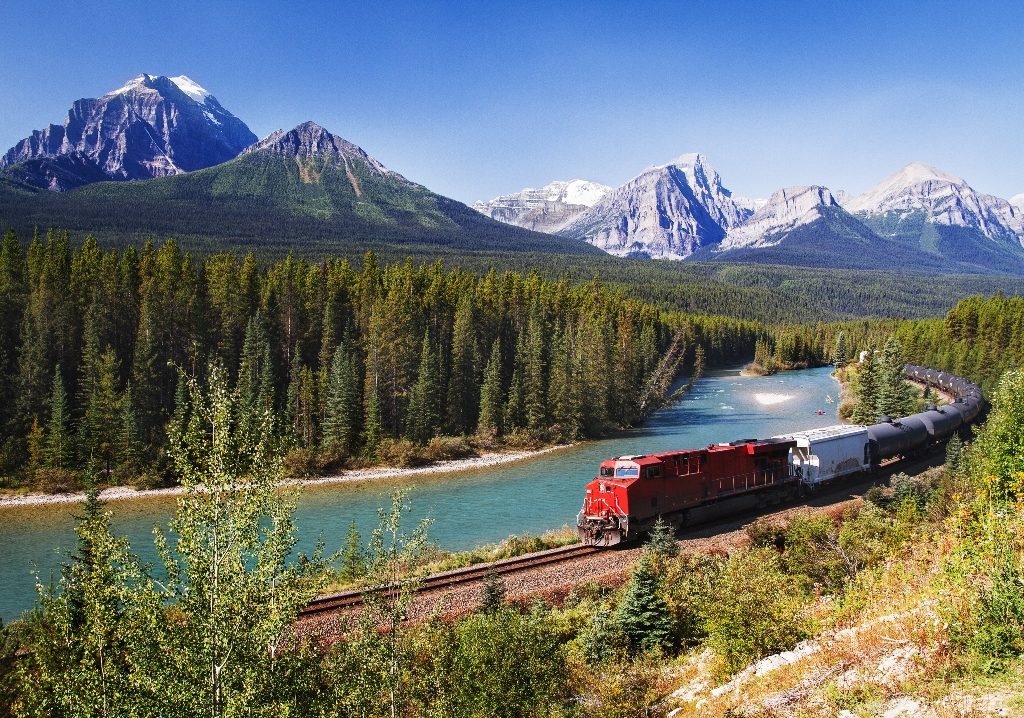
{"x": 468, "y": 508}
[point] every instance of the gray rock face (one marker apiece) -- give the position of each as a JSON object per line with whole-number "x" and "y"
{"x": 941, "y": 199}
{"x": 667, "y": 212}
{"x": 548, "y": 209}
{"x": 153, "y": 126}
{"x": 310, "y": 141}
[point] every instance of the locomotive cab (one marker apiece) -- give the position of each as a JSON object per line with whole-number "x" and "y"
{"x": 604, "y": 519}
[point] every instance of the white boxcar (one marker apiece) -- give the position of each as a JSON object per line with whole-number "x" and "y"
{"x": 828, "y": 453}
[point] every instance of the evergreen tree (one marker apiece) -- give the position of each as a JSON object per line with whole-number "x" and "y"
{"x": 954, "y": 454}
{"x": 492, "y": 593}
{"x": 424, "y": 415}
{"x": 373, "y": 428}
{"x": 514, "y": 412}
{"x": 895, "y": 395}
{"x": 564, "y": 388}
{"x": 661, "y": 543}
{"x": 463, "y": 389}
{"x": 256, "y": 371}
{"x": 642, "y": 615}
{"x": 339, "y": 427}
{"x": 489, "y": 425}
{"x": 866, "y": 409}
{"x": 129, "y": 444}
{"x": 353, "y": 557}
{"x": 58, "y": 439}
{"x": 98, "y": 430}
{"x": 841, "y": 353}
{"x": 534, "y": 377}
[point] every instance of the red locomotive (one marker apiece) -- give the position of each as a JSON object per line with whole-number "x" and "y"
{"x": 631, "y": 492}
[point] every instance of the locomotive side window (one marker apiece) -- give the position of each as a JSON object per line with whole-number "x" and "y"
{"x": 653, "y": 472}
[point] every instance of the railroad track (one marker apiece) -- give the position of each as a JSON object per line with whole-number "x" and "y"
{"x": 450, "y": 579}
{"x": 472, "y": 574}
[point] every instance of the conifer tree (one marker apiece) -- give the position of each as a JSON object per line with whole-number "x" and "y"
{"x": 895, "y": 396}
{"x": 98, "y": 431}
{"x": 643, "y": 616}
{"x": 463, "y": 389}
{"x": 563, "y": 388}
{"x": 373, "y": 428}
{"x": 489, "y": 425}
{"x": 58, "y": 438}
{"x": 841, "y": 353}
{"x": 534, "y": 377}
{"x": 866, "y": 410}
{"x": 129, "y": 445}
{"x": 424, "y": 414}
{"x": 353, "y": 557}
{"x": 514, "y": 412}
{"x": 339, "y": 427}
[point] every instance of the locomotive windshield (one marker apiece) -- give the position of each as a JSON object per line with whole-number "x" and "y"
{"x": 607, "y": 471}
{"x": 627, "y": 472}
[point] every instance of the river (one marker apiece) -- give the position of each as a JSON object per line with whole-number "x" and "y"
{"x": 467, "y": 508}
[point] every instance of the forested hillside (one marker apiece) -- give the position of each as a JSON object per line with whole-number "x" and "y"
{"x": 356, "y": 364}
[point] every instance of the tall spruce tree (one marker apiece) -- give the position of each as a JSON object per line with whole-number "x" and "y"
{"x": 58, "y": 431}
{"x": 643, "y": 616}
{"x": 841, "y": 352}
{"x": 866, "y": 409}
{"x": 423, "y": 417}
{"x": 341, "y": 405}
{"x": 489, "y": 425}
{"x": 463, "y": 388}
{"x": 895, "y": 395}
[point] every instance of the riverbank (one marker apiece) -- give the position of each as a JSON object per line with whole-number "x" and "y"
{"x": 123, "y": 493}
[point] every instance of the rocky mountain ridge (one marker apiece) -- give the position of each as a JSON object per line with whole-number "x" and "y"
{"x": 668, "y": 211}
{"x": 152, "y": 126}
{"x": 546, "y": 209}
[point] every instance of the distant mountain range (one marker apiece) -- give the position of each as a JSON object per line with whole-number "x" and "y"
{"x": 209, "y": 179}
{"x": 920, "y": 217}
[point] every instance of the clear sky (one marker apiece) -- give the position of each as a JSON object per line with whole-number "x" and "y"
{"x": 473, "y": 99}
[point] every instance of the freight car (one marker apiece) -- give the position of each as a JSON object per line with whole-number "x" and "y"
{"x": 631, "y": 492}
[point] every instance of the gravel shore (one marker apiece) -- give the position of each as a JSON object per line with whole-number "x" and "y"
{"x": 121, "y": 493}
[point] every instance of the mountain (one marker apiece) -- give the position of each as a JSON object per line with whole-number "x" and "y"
{"x": 667, "y": 212}
{"x": 784, "y": 211}
{"x": 152, "y": 126}
{"x": 940, "y": 214}
{"x": 1017, "y": 200}
{"x": 548, "y": 209}
{"x": 806, "y": 226}
{"x": 304, "y": 188}
{"x": 919, "y": 193}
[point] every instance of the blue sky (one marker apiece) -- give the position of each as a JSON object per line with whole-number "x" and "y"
{"x": 476, "y": 99}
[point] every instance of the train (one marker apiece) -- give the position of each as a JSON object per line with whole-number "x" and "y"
{"x": 630, "y": 493}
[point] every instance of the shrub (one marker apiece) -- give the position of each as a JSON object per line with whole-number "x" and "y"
{"x": 57, "y": 481}
{"x": 300, "y": 462}
{"x": 690, "y": 586}
{"x": 756, "y": 611}
{"x": 400, "y": 452}
{"x": 765, "y": 533}
{"x": 496, "y": 664}
{"x": 445, "y": 448}
{"x": 813, "y": 552}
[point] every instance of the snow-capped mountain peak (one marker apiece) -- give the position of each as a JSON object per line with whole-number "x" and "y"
{"x": 937, "y": 197}
{"x": 1018, "y": 200}
{"x": 546, "y": 209}
{"x": 151, "y": 126}
{"x": 191, "y": 88}
{"x": 667, "y": 211}
{"x": 785, "y": 210}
